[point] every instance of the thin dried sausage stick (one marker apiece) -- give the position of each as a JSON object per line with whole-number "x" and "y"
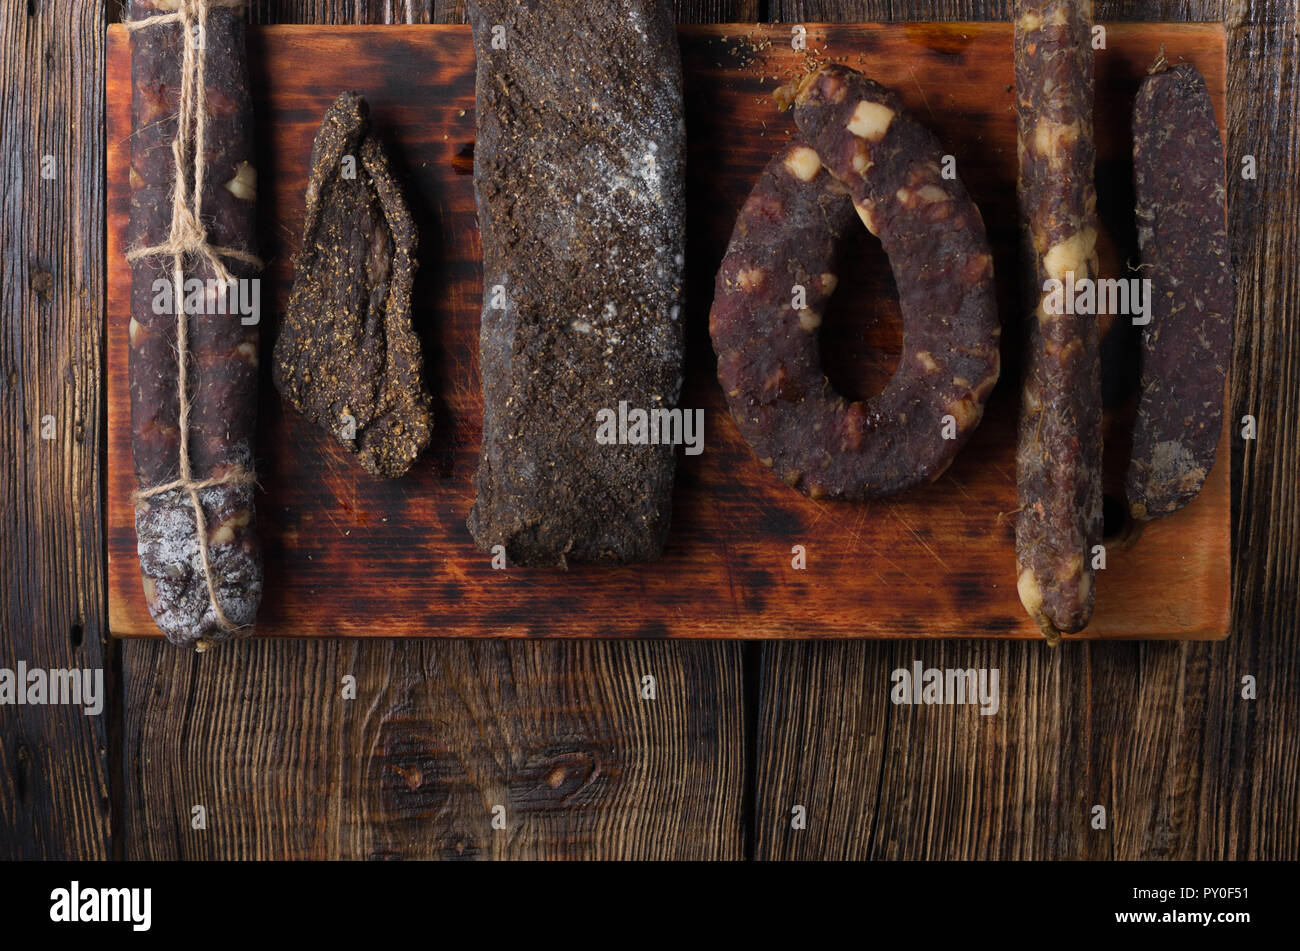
{"x": 883, "y": 164}
{"x": 199, "y": 447}
{"x": 1058, "y": 461}
{"x": 1178, "y": 174}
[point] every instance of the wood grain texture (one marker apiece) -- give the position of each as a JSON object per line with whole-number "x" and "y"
{"x": 1157, "y": 733}
{"x": 350, "y": 555}
{"x": 54, "y": 766}
{"x": 436, "y": 737}
{"x": 440, "y": 732}
{"x": 454, "y": 11}
{"x": 885, "y": 11}
{"x": 1255, "y": 803}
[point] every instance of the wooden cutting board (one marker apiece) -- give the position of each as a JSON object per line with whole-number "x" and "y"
{"x": 347, "y": 555}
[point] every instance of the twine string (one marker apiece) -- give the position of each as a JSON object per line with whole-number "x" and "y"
{"x": 188, "y": 236}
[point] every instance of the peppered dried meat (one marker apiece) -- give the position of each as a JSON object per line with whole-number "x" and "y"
{"x": 347, "y": 357}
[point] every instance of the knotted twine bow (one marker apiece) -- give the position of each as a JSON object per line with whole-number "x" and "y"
{"x": 189, "y": 236}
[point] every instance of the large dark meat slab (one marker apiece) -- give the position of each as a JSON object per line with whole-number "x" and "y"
{"x": 578, "y": 174}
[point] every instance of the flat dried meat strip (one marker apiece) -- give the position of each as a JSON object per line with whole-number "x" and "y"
{"x": 347, "y": 357}
{"x": 1182, "y": 232}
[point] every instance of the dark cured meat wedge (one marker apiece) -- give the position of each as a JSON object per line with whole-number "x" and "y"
{"x": 346, "y": 357}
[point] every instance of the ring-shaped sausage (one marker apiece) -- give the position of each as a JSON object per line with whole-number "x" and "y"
{"x": 859, "y": 150}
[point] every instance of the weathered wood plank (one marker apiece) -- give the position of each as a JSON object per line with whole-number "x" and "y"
{"x": 1251, "y": 797}
{"x": 1157, "y": 733}
{"x": 54, "y": 765}
{"x": 867, "y": 11}
{"x": 438, "y": 734}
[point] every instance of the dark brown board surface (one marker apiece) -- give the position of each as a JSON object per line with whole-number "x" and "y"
{"x": 351, "y": 556}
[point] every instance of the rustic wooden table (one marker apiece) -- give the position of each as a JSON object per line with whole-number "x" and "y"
{"x": 440, "y": 732}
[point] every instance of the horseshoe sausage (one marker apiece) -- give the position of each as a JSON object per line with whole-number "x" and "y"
{"x": 860, "y": 152}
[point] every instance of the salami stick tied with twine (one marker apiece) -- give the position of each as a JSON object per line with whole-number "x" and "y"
{"x": 193, "y": 342}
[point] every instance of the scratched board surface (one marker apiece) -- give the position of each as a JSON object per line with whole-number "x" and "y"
{"x": 348, "y": 555}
